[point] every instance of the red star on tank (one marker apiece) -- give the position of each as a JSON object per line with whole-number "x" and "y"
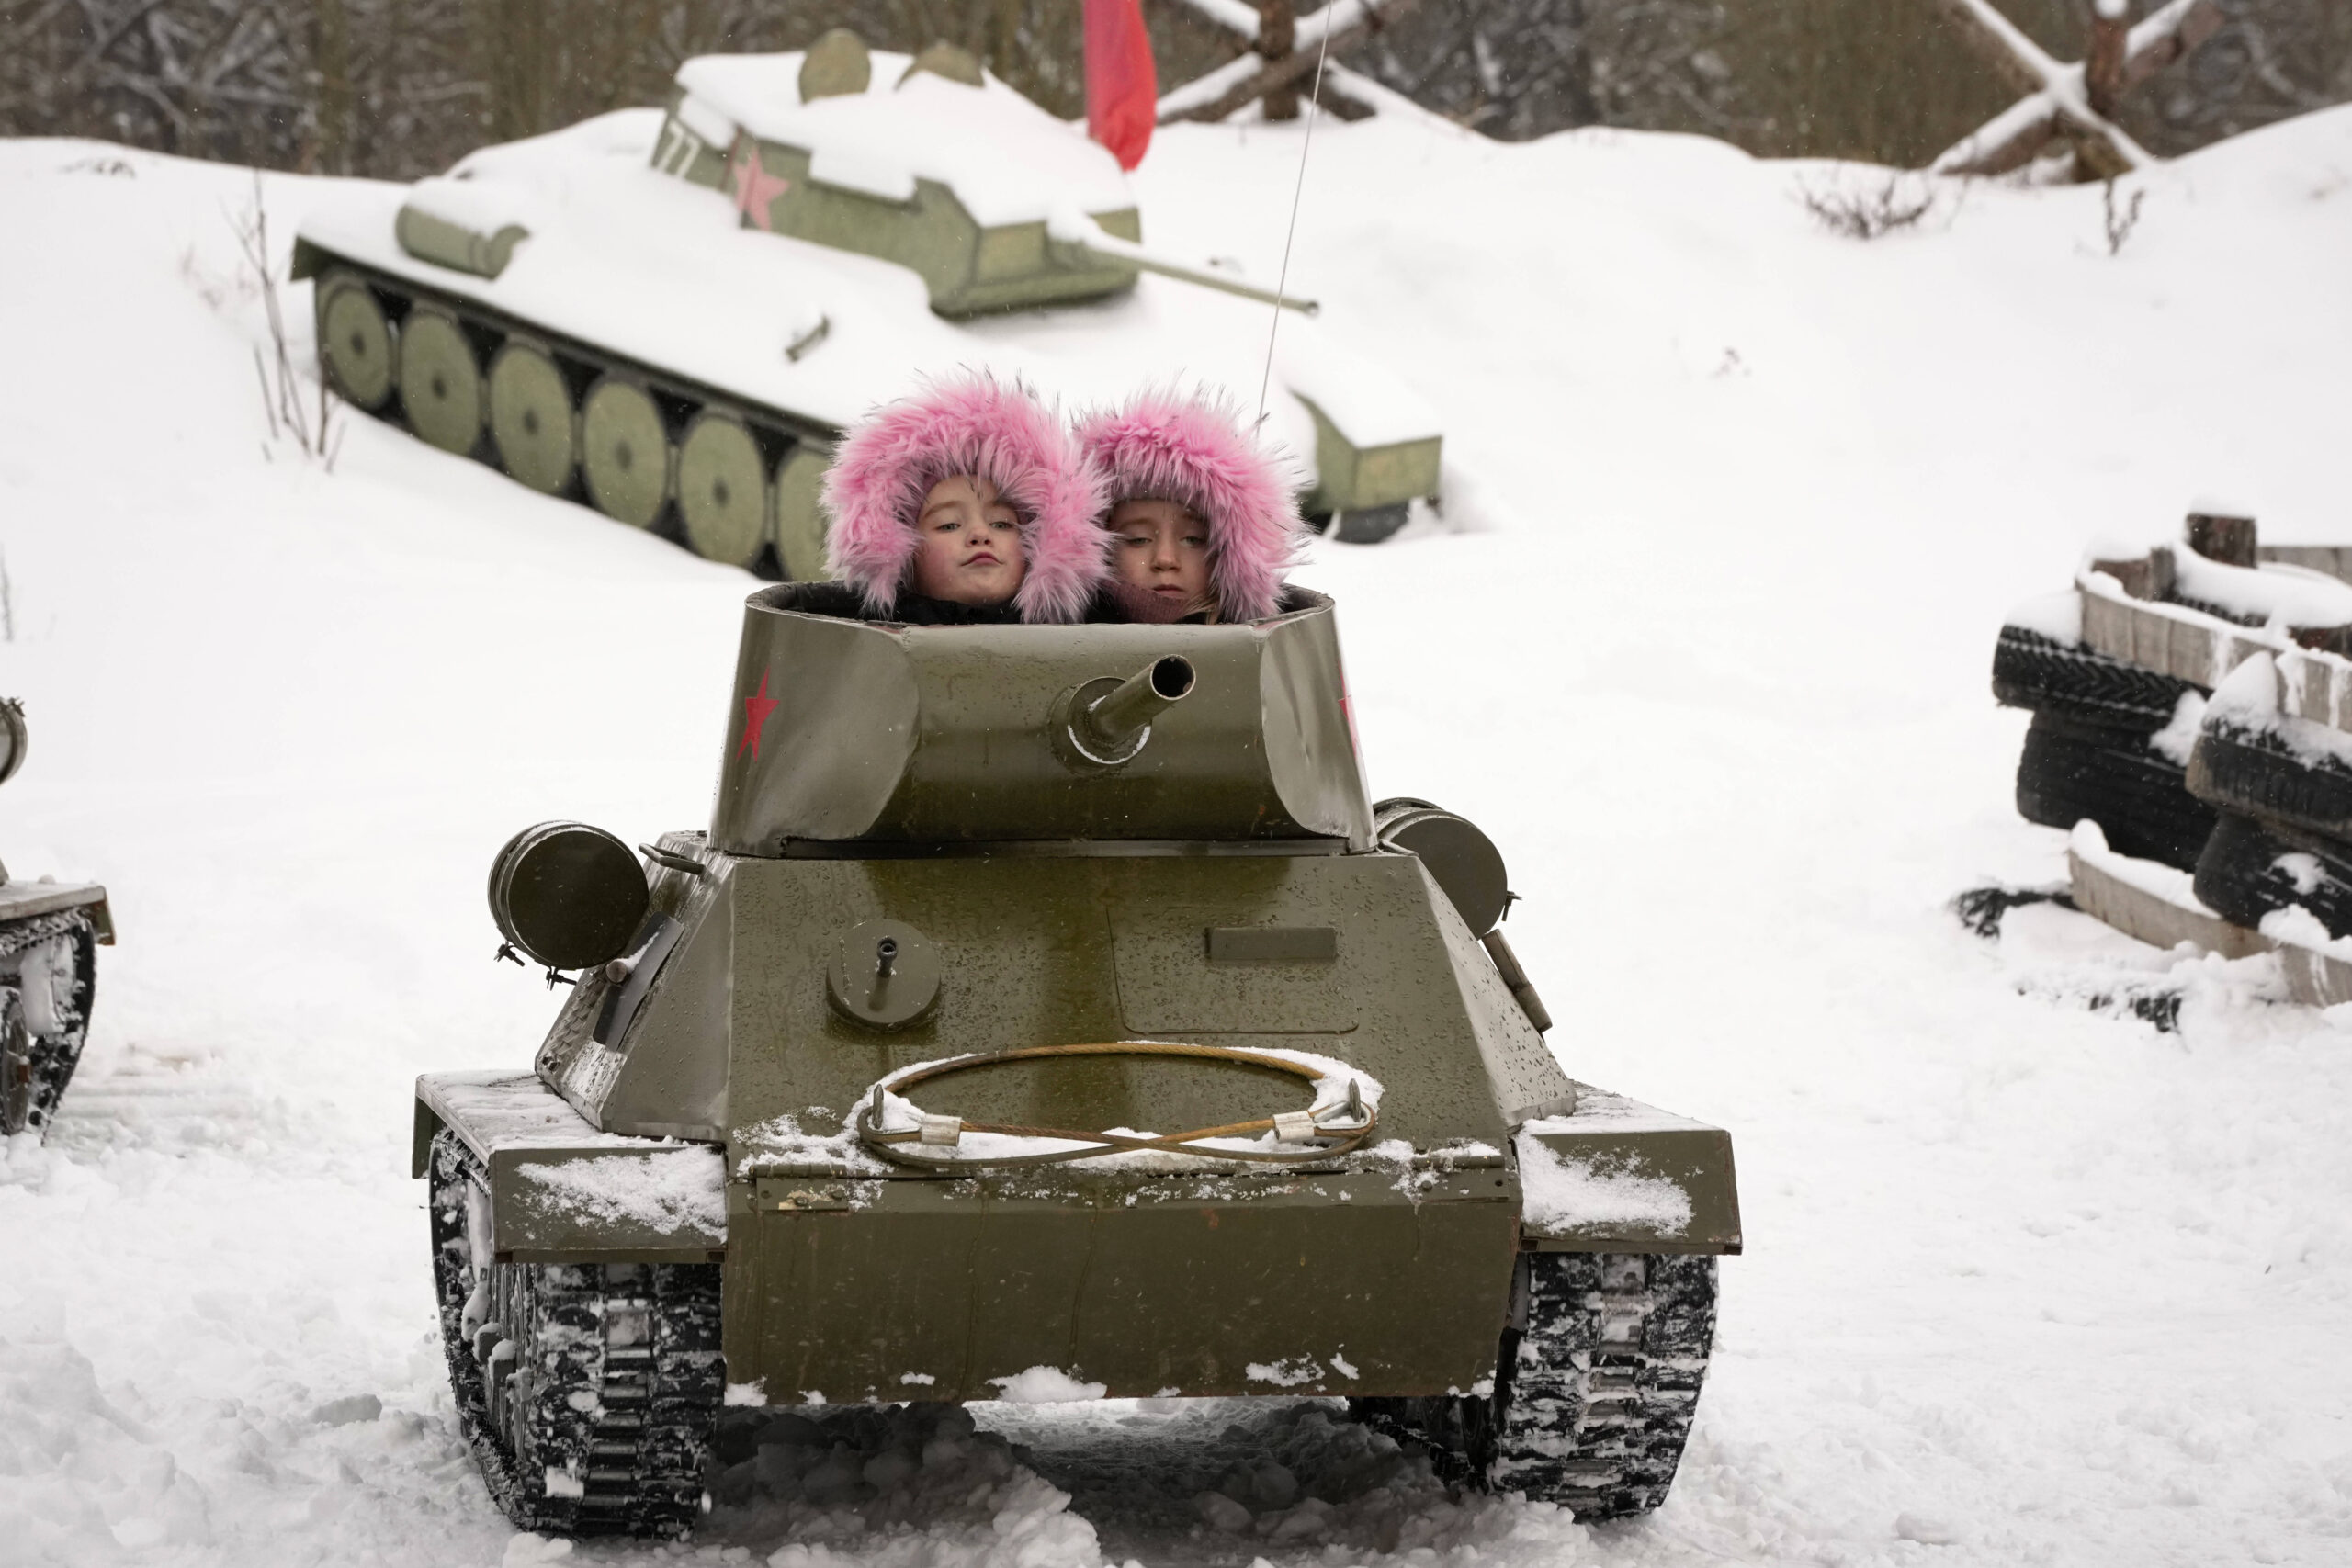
{"x": 756, "y": 708}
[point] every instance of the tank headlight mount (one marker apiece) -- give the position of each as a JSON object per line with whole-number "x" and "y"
{"x": 567, "y": 896}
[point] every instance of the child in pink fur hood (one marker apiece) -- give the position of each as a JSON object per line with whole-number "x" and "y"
{"x": 1202, "y": 525}
{"x": 967, "y": 504}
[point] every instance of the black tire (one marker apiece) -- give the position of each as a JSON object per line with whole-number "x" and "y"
{"x": 2255, "y": 773}
{"x": 1594, "y": 1393}
{"x": 2071, "y": 681}
{"x": 587, "y": 1392}
{"x": 2138, "y": 795}
{"x": 2240, "y": 877}
{"x": 40, "y": 1044}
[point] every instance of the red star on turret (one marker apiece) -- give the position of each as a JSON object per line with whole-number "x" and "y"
{"x": 754, "y": 187}
{"x": 756, "y": 708}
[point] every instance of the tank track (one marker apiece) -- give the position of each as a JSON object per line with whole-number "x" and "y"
{"x": 34, "y": 1068}
{"x": 1595, "y": 1387}
{"x": 587, "y": 1392}
{"x": 777, "y": 432}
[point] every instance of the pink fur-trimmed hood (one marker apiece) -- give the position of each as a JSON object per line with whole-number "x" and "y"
{"x": 971, "y": 424}
{"x": 1192, "y": 451}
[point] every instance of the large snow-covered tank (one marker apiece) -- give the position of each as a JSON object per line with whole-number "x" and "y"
{"x": 49, "y": 933}
{"x": 671, "y": 314}
{"x": 1049, "y": 1007}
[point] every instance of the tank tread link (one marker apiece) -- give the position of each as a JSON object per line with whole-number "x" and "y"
{"x": 732, "y": 480}
{"x": 1598, "y": 1381}
{"x": 587, "y": 1392}
{"x": 38, "y": 1053}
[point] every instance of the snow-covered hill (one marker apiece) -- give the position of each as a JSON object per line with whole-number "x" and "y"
{"x": 1736, "y": 508}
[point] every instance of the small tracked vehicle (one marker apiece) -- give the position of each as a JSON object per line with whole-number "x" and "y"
{"x": 1049, "y": 1007}
{"x": 49, "y": 934}
{"x": 670, "y": 315}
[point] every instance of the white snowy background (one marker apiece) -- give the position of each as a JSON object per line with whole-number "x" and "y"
{"x": 1736, "y": 509}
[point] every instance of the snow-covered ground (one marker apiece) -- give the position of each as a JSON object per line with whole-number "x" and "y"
{"x": 1736, "y": 508}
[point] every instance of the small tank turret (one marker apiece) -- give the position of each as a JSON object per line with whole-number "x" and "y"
{"x": 49, "y": 933}
{"x": 1050, "y": 997}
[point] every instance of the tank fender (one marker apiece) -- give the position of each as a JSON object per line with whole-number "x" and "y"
{"x": 560, "y": 1191}
{"x": 23, "y": 900}
{"x": 1614, "y": 1175}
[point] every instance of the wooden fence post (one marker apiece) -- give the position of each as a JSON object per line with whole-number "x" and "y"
{"x": 1277, "y": 35}
{"x": 2103, "y": 55}
{"x": 2226, "y": 539}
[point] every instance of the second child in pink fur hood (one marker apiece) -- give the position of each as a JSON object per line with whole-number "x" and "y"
{"x": 995, "y": 445}
{"x": 1201, "y": 521}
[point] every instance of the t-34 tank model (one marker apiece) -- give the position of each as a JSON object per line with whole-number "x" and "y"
{"x": 1049, "y": 1004}
{"x": 48, "y": 937}
{"x": 670, "y": 315}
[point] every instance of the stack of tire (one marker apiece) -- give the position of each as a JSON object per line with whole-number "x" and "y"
{"x": 2255, "y": 802}
{"x": 2281, "y": 787}
{"x": 2111, "y": 740}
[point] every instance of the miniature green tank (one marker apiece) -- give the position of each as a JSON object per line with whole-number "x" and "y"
{"x": 1049, "y": 1002}
{"x": 670, "y": 315}
{"x": 49, "y": 933}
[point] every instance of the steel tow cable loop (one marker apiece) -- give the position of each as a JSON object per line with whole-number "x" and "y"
{"x": 881, "y": 1141}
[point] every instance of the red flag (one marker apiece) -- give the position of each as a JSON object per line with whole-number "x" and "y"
{"x": 1121, "y": 87}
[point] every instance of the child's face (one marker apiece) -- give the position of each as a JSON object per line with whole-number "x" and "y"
{"x": 1161, "y": 557}
{"x": 968, "y": 544}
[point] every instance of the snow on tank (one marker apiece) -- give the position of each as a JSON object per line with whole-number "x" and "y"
{"x": 670, "y": 315}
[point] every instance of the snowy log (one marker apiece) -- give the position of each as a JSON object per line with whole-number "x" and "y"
{"x": 1235, "y": 16}
{"x": 2063, "y": 100}
{"x": 1343, "y": 24}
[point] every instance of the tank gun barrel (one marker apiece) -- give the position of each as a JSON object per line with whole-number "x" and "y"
{"x": 1086, "y": 238}
{"x": 1111, "y": 726}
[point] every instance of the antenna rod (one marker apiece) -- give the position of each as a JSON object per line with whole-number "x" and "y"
{"x": 1314, "y": 104}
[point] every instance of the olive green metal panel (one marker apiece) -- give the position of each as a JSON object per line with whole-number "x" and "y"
{"x": 964, "y": 268}
{"x": 1043, "y": 950}
{"x": 1611, "y": 1141}
{"x": 930, "y": 734}
{"x": 665, "y": 1074}
{"x": 679, "y": 151}
{"x": 1324, "y": 1284}
{"x": 1349, "y": 477}
{"x": 559, "y": 1189}
{"x": 929, "y": 233}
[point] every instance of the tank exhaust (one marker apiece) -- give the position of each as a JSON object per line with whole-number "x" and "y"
{"x": 1105, "y": 722}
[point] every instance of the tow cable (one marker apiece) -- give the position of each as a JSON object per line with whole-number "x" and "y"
{"x": 1327, "y": 1138}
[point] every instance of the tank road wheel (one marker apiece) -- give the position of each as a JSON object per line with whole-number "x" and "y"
{"x": 530, "y": 416}
{"x": 355, "y": 339}
{"x": 1369, "y": 524}
{"x": 440, "y": 382}
{"x": 625, "y": 451}
{"x": 1594, "y": 1390}
{"x": 16, "y": 1066}
{"x": 799, "y": 525}
{"x": 722, "y": 489}
{"x": 587, "y": 1392}
{"x": 49, "y": 973}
